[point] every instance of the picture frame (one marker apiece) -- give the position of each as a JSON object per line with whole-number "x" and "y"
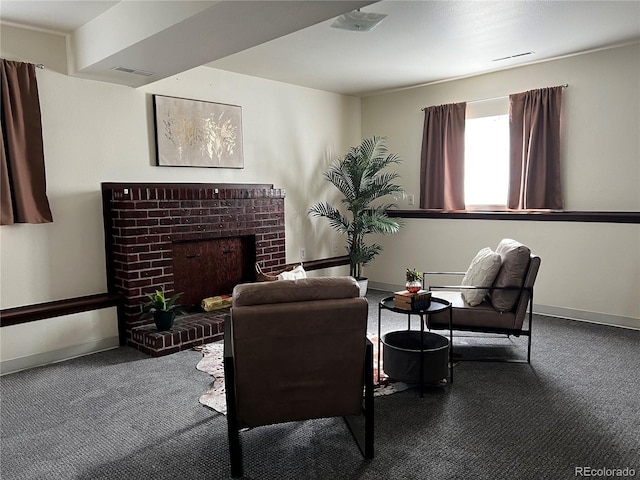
{"x": 197, "y": 133}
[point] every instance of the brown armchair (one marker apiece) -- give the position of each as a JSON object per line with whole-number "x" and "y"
{"x": 502, "y": 304}
{"x": 297, "y": 350}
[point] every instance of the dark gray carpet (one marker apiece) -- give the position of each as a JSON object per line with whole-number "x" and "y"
{"x": 123, "y": 415}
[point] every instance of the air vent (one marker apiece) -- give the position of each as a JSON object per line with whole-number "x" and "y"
{"x": 133, "y": 71}
{"x": 523, "y": 54}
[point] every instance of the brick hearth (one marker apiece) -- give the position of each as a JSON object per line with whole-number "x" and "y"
{"x": 144, "y": 221}
{"x": 187, "y": 332}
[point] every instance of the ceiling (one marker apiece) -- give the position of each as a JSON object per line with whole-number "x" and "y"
{"x": 291, "y": 41}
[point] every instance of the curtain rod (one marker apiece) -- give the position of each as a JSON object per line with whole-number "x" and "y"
{"x": 37, "y": 65}
{"x": 566, "y": 85}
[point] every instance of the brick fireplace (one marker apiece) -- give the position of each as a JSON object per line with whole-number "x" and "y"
{"x": 191, "y": 236}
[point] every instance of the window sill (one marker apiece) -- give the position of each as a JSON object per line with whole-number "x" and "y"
{"x": 540, "y": 216}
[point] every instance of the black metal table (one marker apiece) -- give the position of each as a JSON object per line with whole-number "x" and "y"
{"x": 437, "y": 305}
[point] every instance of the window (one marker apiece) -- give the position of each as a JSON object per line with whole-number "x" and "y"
{"x": 486, "y": 154}
{"x": 476, "y": 157}
{"x": 486, "y": 163}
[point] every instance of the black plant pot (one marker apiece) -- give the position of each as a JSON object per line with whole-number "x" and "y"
{"x": 164, "y": 319}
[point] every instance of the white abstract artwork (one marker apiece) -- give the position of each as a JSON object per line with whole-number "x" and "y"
{"x": 193, "y": 133}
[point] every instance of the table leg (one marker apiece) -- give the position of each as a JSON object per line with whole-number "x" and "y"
{"x": 379, "y": 352}
{"x": 421, "y": 356}
{"x": 451, "y": 343}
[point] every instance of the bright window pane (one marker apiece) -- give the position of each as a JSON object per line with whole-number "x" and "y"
{"x": 486, "y": 162}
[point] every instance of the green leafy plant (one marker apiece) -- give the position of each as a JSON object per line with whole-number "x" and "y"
{"x": 160, "y": 303}
{"x": 413, "y": 275}
{"x": 361, "y": 178}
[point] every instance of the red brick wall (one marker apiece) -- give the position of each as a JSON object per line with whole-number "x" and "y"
{"x": 142, "y": 222}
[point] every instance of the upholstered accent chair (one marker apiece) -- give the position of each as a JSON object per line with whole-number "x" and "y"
{"x": 495, "y": 295}
{"x": 297, "y": 350}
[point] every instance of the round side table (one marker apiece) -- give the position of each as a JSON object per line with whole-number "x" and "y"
{"x": 437, "y": 305}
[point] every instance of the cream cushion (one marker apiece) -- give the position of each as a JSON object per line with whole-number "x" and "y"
{"x": 481, "y": 273}
{"x": 515, "y": 262}
{"x": 294, "y": 274}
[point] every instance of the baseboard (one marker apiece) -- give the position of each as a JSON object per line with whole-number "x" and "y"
{"x": 37, "y": 360}
{"x": 385, "y": 287}
{"x": 570, "y": 313}
{"x": 591, "y": 317}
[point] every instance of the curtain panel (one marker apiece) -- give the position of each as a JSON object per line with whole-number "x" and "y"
{"x": 442, "y": 157}
{"x": 22, "y": 173}
{"x": 534, "y": 131}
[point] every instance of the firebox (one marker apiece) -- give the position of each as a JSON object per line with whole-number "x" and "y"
{"x": 204, "y": 268}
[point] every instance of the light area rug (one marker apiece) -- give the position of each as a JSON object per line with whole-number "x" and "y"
{"x": 212, "y": 363}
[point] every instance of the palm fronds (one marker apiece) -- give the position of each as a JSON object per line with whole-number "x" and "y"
{"x": 361, "y": 178}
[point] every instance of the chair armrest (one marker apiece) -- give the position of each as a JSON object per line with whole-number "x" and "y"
{"x": 455, "y": 287}
{"x": 475, "y": 287}
{"x": 444, "y": 273}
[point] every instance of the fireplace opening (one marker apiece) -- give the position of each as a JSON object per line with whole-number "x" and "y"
{"x": 205, "y": 268}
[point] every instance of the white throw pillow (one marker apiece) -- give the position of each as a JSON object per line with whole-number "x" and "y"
{"x": 294, "y": 274}
{"x": 515, "y": 264}
{"x": 482, "y": 272}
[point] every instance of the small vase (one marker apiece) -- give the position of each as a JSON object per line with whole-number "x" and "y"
{"x": 413, "y": 286}
{"x": 164, "y": 320}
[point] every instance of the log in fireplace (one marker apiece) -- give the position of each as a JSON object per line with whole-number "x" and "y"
{"x": 200, "y": 239}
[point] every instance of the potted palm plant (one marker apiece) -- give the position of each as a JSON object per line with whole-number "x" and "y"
{"x": 361, "y": 178}
{"x": 163, "y": 309}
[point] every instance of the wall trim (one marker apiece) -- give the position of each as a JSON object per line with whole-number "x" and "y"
{"x": 30, "y": 361}
{"x": 560, "y": 312}
{"x": 58, "y": 308}
{"x": 323, "y": 263}
{"x": 539, "y": 216}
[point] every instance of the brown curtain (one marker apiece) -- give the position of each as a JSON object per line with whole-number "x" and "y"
{"x": 535, "y": 149}
{"x": 22, "y": 174}
{"x": 442, "y": 157}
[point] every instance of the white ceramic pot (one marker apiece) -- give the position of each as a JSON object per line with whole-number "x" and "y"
{"x": 364, "y": 284}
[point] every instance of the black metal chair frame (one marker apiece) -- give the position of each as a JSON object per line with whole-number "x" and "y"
{"x": 363, "y": 437}
{"x": 499, "y": 331}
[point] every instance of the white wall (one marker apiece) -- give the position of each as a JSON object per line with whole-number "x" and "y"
{"x": 96, "y": 132}
{"x": 589, "y": 270}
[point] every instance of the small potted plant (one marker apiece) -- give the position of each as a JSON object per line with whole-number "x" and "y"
{"x": 414, "y": 280}
{"x": 163, "y": 309}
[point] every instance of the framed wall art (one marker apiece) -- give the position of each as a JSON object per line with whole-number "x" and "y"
{"x": 194, "y": 133}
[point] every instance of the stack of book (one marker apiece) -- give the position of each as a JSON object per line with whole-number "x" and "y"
{"x": 406, "y": 300}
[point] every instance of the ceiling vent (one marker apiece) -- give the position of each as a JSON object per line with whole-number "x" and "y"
{"x": 133, "y": 71}
{"x": 523, "y": 54}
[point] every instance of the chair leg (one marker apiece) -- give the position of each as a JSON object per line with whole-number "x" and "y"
{"x": 235, "y": 451}
{"x": 530, "y": 330}
{"x": 368, "y": 403}
{"x": 233, "y": 429}
{"x": 365, "y": 442}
